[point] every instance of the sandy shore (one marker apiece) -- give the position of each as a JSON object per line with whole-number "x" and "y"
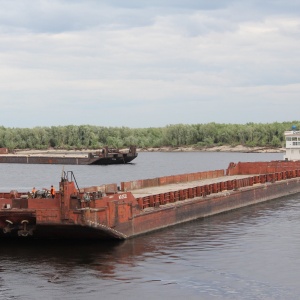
{"x": 239, "y": 148}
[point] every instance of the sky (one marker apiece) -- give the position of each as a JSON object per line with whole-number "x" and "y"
{"x": 143, "y": 64}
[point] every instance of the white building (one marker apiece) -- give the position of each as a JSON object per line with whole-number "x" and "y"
{"x": 292, "y": 145}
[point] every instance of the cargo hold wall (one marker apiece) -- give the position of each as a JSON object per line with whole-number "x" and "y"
{"x": 160, "y": 181}
{"x": 245, "y": 168}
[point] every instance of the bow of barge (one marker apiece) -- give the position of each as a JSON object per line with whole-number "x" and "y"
{"x": 136, "y": 207}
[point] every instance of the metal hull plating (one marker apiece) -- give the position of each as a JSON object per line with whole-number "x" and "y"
{"x": 114, "y": 160}
{"x": 66, "y": 160}
{"x": 189, "y": 210}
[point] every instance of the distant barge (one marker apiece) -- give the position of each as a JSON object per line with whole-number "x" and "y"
{"x": 141, "y": 206}
{"x": 107, "y": 156}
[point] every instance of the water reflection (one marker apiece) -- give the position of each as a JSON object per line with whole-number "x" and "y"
{"x": 210, "y": 234}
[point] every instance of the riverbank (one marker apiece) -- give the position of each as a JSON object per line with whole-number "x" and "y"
{"x": 239, "y": 148}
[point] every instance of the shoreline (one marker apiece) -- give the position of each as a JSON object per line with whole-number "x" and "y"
{"x": 239, "y": 148}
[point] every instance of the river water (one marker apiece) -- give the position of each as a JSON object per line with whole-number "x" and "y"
{"x": 250, "y": 253}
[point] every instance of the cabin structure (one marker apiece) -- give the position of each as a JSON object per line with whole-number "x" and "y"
{"x": 292, "y": 144}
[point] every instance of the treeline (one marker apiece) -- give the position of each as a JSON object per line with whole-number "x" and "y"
{"x": 197, "y": 135}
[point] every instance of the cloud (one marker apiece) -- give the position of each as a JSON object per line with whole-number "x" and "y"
{"x": 148, "y": 64}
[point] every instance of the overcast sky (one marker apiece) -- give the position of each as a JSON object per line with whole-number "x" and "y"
{"x": 151, "y": 63}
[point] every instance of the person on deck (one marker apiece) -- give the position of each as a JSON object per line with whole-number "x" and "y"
{"x": 52, "y": 191}
{"x": 33, "y": 192}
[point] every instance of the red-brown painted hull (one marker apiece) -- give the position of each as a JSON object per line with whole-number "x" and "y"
{"x": 212, "y": 205}
{"x": 105, "y": 213}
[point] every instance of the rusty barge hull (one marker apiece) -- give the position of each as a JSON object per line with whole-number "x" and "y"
{"x": 107, "y": 156}
{"x": 63, "y": 231}
{"x": 142, "y": 206}
{"x": 213, "y": 205}
{"x": 120, "y": 159}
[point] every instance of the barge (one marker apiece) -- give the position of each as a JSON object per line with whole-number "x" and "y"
{"x": 137, "y": 207}
{"x": 107, "y": 156}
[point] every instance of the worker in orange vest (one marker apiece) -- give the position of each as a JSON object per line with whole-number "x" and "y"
{"x": 33, "y": 192}
{"x": 52, "y": 191}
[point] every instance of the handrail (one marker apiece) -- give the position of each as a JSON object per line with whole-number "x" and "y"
{"x": 69, "y": 176}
